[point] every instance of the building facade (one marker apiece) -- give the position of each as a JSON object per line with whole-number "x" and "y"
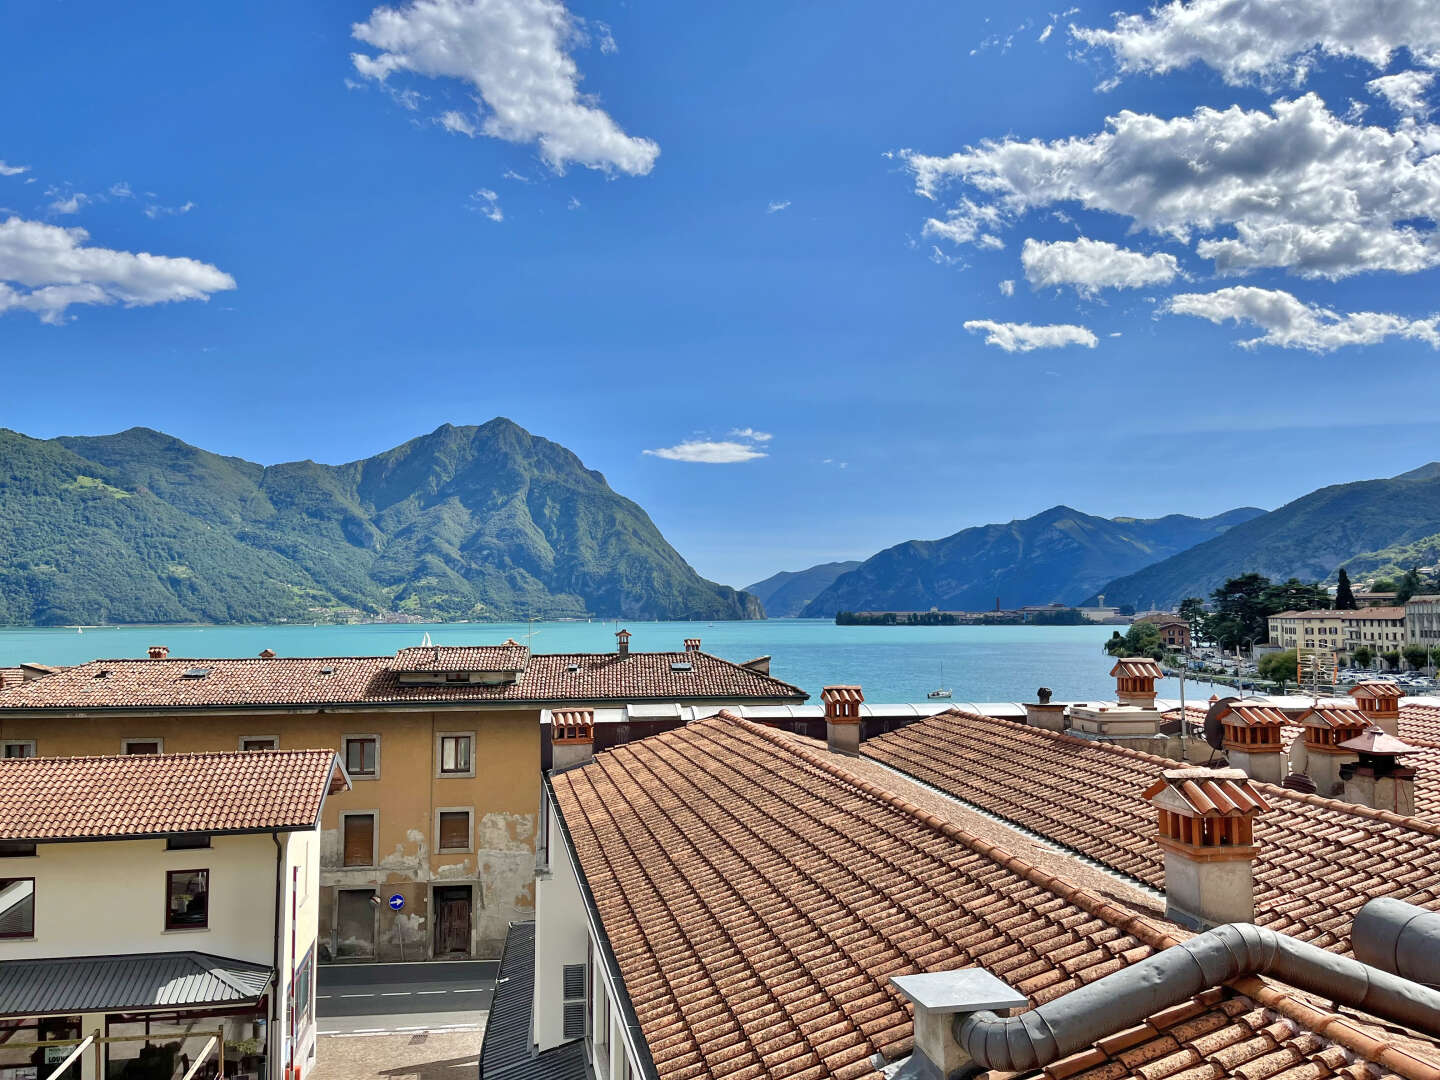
{"x": 443, "y": 747}
{"x": 1422, "y": 620}
{"x": 1174, "y": 631}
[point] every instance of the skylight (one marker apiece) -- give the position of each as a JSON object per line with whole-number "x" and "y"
{"x": 681, "y": 665}
{"x": 196, "y": 673}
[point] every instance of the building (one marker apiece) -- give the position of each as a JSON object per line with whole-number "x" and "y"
{"x": 1308, "y": 630}
{"x": 1366, "y": 598}
{"x": 1422, "y": 620}
{"x": 443, "y": 745}
{"x": 152, "y": 902}
{"x": 1379, "y": 629}
{"x": 1174, "y": 631}
{"x": 767, "y": 913}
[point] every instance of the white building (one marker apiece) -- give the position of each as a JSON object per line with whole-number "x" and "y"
{"x": 155, "y": 901}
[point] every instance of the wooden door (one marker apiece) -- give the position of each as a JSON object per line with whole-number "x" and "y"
{"x": 355, "y": 923}
{"x": 452, "y": 921}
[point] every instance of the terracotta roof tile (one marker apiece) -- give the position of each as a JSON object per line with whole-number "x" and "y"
{"x": 1136, "y": 667}
{"x": 1420, "y": 723}
{"x": 153, "y": 794}
{"x": 462, "y": 658}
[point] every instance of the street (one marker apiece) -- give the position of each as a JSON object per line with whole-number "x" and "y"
{"x": 374, "y": 999}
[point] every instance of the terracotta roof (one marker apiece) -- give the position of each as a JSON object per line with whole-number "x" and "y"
{"x": 10, "y": 676}
{"x": 1377, "y": 688}
{"x": 1420, "y": 723}
{"x": 842, "y": 693}
{"x": 154, "y": 794}
{"x": 1375, "y": 741}
{"x": 462, "y": 658}
{"x": 1211, "y": 792}
{"x": 1373, "y": 613}
{"x": 758, "y": 896}
{"x": 1333, "y": 716}
{"x": 1256, "y": 715}
{"x": 372, "y": 681}
{"x": 1318, "y": 860}
{"x": 1136, "y": 667}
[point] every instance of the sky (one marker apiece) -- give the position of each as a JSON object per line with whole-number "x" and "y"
{"x": 803, "y": 280}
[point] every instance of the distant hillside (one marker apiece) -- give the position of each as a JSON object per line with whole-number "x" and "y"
{"x": 1393, "y": 561}
{"x": 1060, "y": 555}
{"x": 786, "y": 593}
{"x": 1310, "y": 538}
{"x": 467, "y": 522}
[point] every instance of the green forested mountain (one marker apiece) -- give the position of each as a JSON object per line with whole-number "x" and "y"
{"x": 786, "y": 593}
{"x": 466, "y": 522}
{"x": 1309, "y": 539}
{"x": 1058, "y": 555}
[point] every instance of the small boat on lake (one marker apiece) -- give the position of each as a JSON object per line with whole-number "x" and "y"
{"x": 942, "y": 692}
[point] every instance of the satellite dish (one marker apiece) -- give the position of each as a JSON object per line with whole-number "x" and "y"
{"x": 1214, "y": 734}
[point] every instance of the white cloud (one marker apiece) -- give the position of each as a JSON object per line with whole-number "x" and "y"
{"x": 573, "y": 204}
{"x": 1022, "y": 337}
{"x": 751, "y": 434}
{"x": 1246, "y": 40}
{"x": 67, "y": 204}
{"x": 155, "y": 210}
{"x": 1292, "y": 324}
{"x": 1007, "y": 287}
{"x": 1405, "y": 91}
{"x": 121, "y": 190}
{"x": 513, "y": 53}
{"x": 1092, "y": 265}
{"x": 776, "y": 206}
{"x": 487, "y": 202}
{"x": 708, "y": 452}
{"x": 12, "y": 170}
{"x": 457, "y": 123}
{"x": 511, "y": 174}
{"x": 1045, "y": 34}
{"x": 45, "y": 268}
{"x": 1301, "y": 188}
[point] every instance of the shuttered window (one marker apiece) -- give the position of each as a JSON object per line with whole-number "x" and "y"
{"x": 454, "y": 754}
{"x": 17, "y": 907}
{"x": 454, "y": 830}
{"x": 359, "y": 839}
{"x": 575, "y": 1004}
{"x": 362, "y": 756}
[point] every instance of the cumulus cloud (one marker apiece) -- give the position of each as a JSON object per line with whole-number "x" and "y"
{"x": 778, "y": 205}
{"x": 1007, "y": 287}
{"x": 44, "y": 269}
{"x": 1023, "y": 337}
{"x": 1405, "y": 91}
{"x": 457, "y": 123}
{"x": 1092, "y": 265}
{"x": 487, "y": 203}
{"x": 1289, "y": 323}
{"x": 66, "y": 203}
{"x": 12, "y": 170}
{"x": 709, "y": 452}
{"x": 751, "y": 434}
{"x": 1269, "y": 41}
{"x": 1301, "y": 188}
{"x": 513, "y": 53}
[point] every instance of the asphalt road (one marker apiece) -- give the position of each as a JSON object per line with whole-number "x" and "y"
{"x": 373, "y": 999}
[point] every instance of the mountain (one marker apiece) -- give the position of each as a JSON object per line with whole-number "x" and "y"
{"x": 1310, "y": 538}
{"x": 1057, "y": 555}
{"x": 480, "y": 522}
{"x": 1393, "y": 561}
{"x": 786, "y": 593}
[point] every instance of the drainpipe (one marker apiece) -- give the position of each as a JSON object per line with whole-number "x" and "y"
{"x": 1398, "y": 937}
{"x": 270, "y": 1056}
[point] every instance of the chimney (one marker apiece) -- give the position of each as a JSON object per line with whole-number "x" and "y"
{"x": 1042, "y": 714}
{"x": 1380, "y": 702}
{"x": 842, "y": 718}
{"x": 1377, "y": 779}
{"x": 159, "y": 652}
{"x": 1321, "y": 754}
{"x": 1135, "y": 681}
{"x": 572, "y": 738}
{"x": 1207, "y": 831}
{"x": 1254, "y": 740}
{"x": 622, "y": 643}
{"x": 944, "y": 998}
{"x": 760, "y": 665}
{"x": 692, "y": 644}
{"x": 267, "y": 654}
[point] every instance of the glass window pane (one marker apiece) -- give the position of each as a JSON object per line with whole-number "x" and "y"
{"x": 187, "y": 899}
{"x": 17, "y": 907}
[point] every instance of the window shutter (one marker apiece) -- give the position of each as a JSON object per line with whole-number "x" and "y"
{"x": 574, "y": 981}
{"x": 359, "y": 839}
{"x": 575, "y": 1004}
{"x": 574, "y": 1020}
{"x": 454, "y": 829}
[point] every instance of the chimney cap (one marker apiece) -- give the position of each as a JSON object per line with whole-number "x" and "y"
{"x": 842, "y": 693}
{"x": 1206, "y": 792}
{"x": 1377, "y": 741}
{"x": 1136, "y": 667}
{"x": 622, "y": 634}
{"x": 964, "y": 990}
{"x": 267, "y": 654}
{"x": 158, "y": 652}
{"x": 1377, "y": 688}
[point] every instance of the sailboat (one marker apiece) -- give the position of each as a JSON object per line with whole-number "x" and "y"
{"x": 942, "y": 691}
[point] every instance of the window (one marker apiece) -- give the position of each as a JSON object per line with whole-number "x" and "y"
{"x": 259, "y": 742}
{"x": 14, "y": 849}
{"x": 18, "y": 749}
{"x": 362, "y": 756}
{"x": 302, "y": 990}
{"x": 187, "y": 899}
{"x": 452, "y": 829}
{"x": 142, "y": 746}
{"x": 453, "y": 752}
{"x": 574, "y": 991}
{"x": 358, "y": 831}
{"x": 187, "y": 842}
{"x": 17, "y": 907}
{"x": 457, "y": 676}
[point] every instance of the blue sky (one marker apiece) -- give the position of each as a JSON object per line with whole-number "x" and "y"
{"x": 659, "y": 224}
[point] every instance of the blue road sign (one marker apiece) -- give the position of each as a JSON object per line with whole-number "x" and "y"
{"x": 397, "y": 902}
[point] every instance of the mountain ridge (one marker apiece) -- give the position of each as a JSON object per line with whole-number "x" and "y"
{"x": 785, "y": 594}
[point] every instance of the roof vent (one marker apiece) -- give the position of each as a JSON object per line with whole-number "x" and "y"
{"x": 267, "y": 654}
{"x": 682, "y": 665}
{"x": 327, "y": 671}
{"x": 158, "y": 652}
{"x": 103, "y": 673}
{"x": 196, "y": 673}
{"x": 942, "y": 997}
{"x": 572, "y": 667}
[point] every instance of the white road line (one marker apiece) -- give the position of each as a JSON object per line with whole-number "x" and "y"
{"x": 356, "y": 995}
{"x": 396, "y": 993}
{"x": 422, "y": 993}
{"x": 471, "y": 990}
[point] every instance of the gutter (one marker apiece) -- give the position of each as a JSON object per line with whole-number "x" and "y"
{"x": 634, "y": 1036}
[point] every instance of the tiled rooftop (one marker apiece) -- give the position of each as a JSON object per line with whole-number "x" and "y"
{"x": 1420, "y": 724}
{"x": 758, "y": 896}
{"x": 153, "y": 794}
{"x": 506, "y": 657}
{"x": 1318, "y": 860}
{"x": 372, "y": 680}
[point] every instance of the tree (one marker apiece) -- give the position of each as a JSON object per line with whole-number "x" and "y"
{"x": 1416, "y": 655}
{"x": 1294, "y": 595}
{"x": 1239, "y": 611}
{"x": 1344, "y": 597}
{"x": 1383, "y": 584}
{"x": 1363, "y": 656}
{"x": 1392, "y": 658}
{"x": 1142, "y": 639}
{"x": 1435, "y": 657}
{"x": 1409, "y": 585}
{"x": 1192, "y": 610}
{"x": 1278, "y": 666}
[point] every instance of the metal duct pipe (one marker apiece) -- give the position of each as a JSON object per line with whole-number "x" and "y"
{"x": 1035, "y": 1039}
{"x": 1394, "y": 936}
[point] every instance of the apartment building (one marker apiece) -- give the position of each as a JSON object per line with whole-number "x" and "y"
{"x": 1422, "y": 620}
{"x": 150, "y": 903}
{"x": 443, "y": 746}
{"x": 1380, "y": 629}
{"x": 1307, "y": 630}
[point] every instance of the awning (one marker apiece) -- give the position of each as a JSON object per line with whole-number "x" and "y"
{"x": 134, "y": 982}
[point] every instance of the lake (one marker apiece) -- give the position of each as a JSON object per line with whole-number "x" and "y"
{"x": 891, "y": 663}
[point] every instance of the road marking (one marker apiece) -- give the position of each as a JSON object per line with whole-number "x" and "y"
{"x": 471, "y": 990}
{"x": 422, "y": 993}
{"x": 356, "y": 995}
{"x": 396, "y": 993}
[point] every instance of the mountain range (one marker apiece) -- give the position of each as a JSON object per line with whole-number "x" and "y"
{"x": 1060, "y": 554}
{"x": 486, "y": 522}
{"x": 786, "y": 593}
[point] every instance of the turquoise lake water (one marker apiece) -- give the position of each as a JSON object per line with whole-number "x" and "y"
{"x": 891, "y": 663}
